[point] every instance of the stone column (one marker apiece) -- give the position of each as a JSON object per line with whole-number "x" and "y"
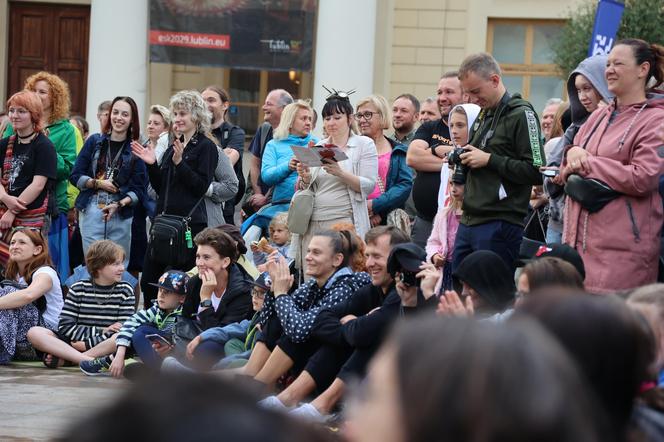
{"x": 345, "y": 43}
{"x": 117, "y": 63}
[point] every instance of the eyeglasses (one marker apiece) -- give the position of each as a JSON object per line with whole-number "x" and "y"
{"x": 258, "y": 294}
{"x": 366, "y": 115}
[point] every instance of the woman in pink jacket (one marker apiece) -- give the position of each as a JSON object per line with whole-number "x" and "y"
{"x": 618, "y": 145}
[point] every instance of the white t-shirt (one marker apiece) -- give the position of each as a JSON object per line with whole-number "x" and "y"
{"x": 54, "y": 300}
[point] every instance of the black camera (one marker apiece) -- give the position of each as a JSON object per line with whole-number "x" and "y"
{"x": 409, "y": 279}
{"x": 460, "y": 170}
{"x": 406, "y": 260}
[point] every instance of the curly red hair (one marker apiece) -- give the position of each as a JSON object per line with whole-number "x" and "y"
{"x": 59, "y": 93}
{"x": 358, "y": 261}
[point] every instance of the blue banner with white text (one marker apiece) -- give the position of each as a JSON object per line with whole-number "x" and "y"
{"x": 607, "y": 21}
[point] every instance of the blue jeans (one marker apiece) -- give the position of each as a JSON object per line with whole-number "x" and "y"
{"x": 93, "y": 228}
{"x": 500, "y": 237}
{"x": 553, "y": 236}
{"x": 143, "y": 347}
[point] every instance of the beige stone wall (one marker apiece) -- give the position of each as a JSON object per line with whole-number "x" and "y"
{"x": 431, "y": 37}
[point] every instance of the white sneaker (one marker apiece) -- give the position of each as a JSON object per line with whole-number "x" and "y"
{"x": 308, "y": 412}
{"x": 172, "y": 365}
{"x": 272, "y": 403}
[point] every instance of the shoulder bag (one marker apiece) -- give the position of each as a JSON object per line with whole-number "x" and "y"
{"x": 301, "y": 208}
{"x": 591, "y": 193}
{"x": 396, "y": 217}
{"x": 170, "y": 235}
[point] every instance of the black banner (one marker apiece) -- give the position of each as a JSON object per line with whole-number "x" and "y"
{"x": 274, "y": 35}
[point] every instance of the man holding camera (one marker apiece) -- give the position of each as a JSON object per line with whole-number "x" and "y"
{"x": 502, "y": 158}
{"x": 426, "y": 154}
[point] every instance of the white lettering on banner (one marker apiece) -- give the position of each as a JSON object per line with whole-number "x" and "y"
{"x": 601, "y": 45}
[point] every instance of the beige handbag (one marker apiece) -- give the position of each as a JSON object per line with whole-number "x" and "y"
{"x": 397, "y": 217}
{"x": 301, "y": 208}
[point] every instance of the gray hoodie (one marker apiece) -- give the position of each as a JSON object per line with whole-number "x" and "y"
{"x": 593, "y": 69}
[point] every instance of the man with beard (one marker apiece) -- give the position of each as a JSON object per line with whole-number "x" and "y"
{"x": 427, "y": 154}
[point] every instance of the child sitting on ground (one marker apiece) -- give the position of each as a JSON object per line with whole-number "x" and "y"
{"x": 233, "y": 342}
{"x": 279, "y": 241}
{"x": 135, "y": 332}
{"x": 93, "y": 311}
{"x": 440, "y": 245}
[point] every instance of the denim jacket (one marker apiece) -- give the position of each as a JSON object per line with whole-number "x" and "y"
{"x": 399, "y": 182}
{"x": 132, "y": 176}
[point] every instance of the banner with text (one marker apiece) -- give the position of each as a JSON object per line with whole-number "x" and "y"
{"x": 250, "y": 34}
{"x": 607, "y": 21}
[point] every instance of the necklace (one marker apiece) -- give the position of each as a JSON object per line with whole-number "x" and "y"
{"x": 99, "y": 299}
{"x": 25, "y": 137}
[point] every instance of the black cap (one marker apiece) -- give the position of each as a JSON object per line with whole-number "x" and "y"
{"x": 173, "y": 281}
{"x": 487, "y": 273}
{"x": 407, "y": 256}
{"x": 263, "y": 281}
{"x": 564, "y": 252}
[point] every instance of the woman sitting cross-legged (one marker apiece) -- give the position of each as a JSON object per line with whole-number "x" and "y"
{"x": 38, "y": 301}
{"x": 93, "y": 312}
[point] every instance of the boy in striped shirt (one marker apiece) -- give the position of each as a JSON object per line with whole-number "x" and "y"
{"x": 134, "y": 336}
{"x": 93, "y": 311}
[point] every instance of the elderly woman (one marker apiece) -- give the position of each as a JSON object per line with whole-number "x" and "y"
{"x": 618, "y": 145}
{"x": 111, "y": 181}
{"x": 28, "y": 168}
{"x": 55, "y": 98}
{"x": 395, "y": 179}
{"x": 340, "y": 188}
{"x": 183, "y": 177}
{"x": 278, "y": 169}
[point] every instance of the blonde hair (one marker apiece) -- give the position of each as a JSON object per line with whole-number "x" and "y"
{"x": 163, "y": 112}
{"x": 288, "y": 116}
{"x": 192, "y": 101}
{"x": 280, "y": 219}
{"x": 381, "y": 105}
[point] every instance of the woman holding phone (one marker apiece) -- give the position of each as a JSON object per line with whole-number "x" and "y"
{"x": 183, "y": 176}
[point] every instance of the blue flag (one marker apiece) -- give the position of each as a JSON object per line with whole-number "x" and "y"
{"x": 607, "y": 20}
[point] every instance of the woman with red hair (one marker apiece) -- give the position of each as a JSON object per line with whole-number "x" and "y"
{"x": 53, "y": 92}
{"x": 28, "y": 168}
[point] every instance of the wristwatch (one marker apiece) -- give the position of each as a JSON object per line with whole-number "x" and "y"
{"x": 206, "y": 303}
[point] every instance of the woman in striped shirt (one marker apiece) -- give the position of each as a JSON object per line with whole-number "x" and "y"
{"x": 93, "y": 312}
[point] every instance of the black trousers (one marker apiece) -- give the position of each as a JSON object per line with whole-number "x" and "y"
{"x": 152, "y": 270}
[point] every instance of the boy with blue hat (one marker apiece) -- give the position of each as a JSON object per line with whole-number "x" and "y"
{"x": 139, "y": 331}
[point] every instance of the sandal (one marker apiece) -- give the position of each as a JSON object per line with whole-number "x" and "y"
{"x": 54, "y": 363}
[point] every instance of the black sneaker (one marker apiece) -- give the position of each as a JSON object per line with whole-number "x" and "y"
{"x": 96, "y": 367}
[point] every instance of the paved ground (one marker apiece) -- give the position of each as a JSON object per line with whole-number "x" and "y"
{"x": 39, "y": 404}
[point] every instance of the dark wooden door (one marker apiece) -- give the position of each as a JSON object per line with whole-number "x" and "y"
{"x": 53, "y": 38}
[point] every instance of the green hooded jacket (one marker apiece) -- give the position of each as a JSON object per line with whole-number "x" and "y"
{"x": 501, "y": 190}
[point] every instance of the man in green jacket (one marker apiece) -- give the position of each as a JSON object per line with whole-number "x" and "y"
{"x": 503, "y": 158}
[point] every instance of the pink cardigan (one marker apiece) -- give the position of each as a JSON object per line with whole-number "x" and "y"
{"x": 443, "y": 234}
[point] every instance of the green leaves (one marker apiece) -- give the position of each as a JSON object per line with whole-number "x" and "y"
{"x": 641, "y": 19}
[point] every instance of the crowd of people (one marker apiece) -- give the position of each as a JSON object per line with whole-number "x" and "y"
{"x": 467, "y": 266}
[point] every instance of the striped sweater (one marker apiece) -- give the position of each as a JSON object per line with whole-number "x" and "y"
{"x": 153, "y": 316}
{"x": 89, "y": 308}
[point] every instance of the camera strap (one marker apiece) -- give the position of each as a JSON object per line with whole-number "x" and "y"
{"x": 487, "y": 133}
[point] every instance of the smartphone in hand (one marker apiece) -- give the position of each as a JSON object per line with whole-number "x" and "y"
{"x": 550, "y": 172}
{"x": 158, "y": 338}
